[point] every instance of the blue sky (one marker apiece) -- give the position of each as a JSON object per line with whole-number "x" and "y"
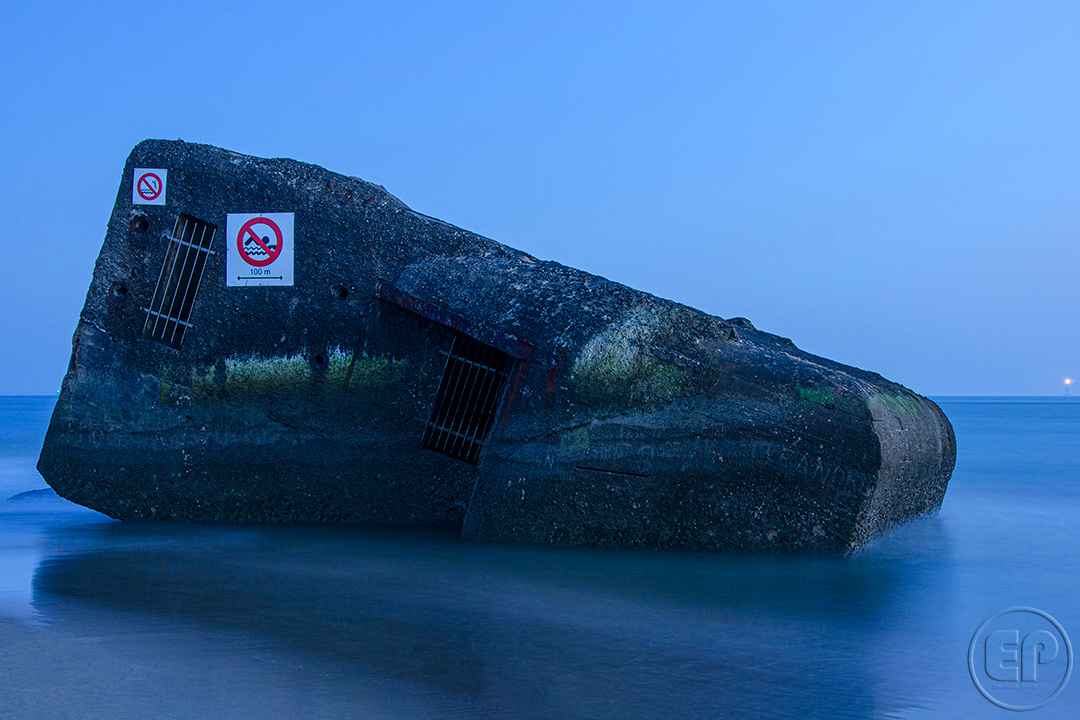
{"x": 892, "y": 185}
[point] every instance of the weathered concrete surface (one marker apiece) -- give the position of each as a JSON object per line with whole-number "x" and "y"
{"x": 627, "y": 419}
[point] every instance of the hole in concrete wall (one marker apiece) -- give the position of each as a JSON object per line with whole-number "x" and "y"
{"x": 139, "y": 225}
{"x": 341, "y": 292}
{"x": 178, "y": 284}
{"x": 468, "y": 397}
{"x": 119, "y": 291}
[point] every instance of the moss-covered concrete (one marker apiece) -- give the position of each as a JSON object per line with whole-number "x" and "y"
{"x": 337, "y": 370}
{"x": 618, "y": 364}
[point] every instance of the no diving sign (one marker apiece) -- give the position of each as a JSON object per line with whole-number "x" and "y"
{"x": 148, "y": 186}
{"x": 259, "y": 249}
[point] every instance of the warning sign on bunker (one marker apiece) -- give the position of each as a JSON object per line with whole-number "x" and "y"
{"x": 259, "y": 249}
{"x": 148, "y": 186}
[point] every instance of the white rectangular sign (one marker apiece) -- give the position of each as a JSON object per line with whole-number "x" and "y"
{"x": 259, "y": 249}
{"x": 148, "y": 186}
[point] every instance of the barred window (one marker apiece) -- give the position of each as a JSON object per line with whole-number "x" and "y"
{"x": 468, "y": 397}
{"x": 181, "y": 272}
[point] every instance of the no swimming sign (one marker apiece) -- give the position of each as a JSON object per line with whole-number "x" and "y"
{"x": 259, "y": 249}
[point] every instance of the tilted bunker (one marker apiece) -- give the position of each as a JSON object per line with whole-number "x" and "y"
{"x": 267, "y": 341}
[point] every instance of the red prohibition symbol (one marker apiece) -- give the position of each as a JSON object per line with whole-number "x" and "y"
{"x": 149, "y": 186}
{"x": 259, "y": 251}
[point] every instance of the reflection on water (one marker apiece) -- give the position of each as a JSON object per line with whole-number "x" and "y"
{"x": 527, "y": 632}
{"x": 279, "y": 621}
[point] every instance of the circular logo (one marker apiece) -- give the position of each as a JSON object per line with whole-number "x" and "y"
{"x": 259, "y": 241}
{"x": 149, "y": 186}
{"x": 1020, "y": 659}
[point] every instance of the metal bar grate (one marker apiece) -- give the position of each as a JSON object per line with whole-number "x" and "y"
{"x": 468, "y": 397}
{"x": 181, "y": 272}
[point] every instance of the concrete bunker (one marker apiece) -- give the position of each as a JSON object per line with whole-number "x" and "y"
{"x": 267, "y": 341}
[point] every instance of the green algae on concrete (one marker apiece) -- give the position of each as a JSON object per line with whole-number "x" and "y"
{"x": 617, "y": 364}
{"x": 817, "y": 396}
{"x": 900, "y": 405}
{"x": 335, "y": 371}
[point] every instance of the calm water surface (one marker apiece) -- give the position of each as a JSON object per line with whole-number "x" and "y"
{"x": 100, "y": 618}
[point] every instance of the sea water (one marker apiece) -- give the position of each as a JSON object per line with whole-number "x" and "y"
{"x": 100, "y": 618}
